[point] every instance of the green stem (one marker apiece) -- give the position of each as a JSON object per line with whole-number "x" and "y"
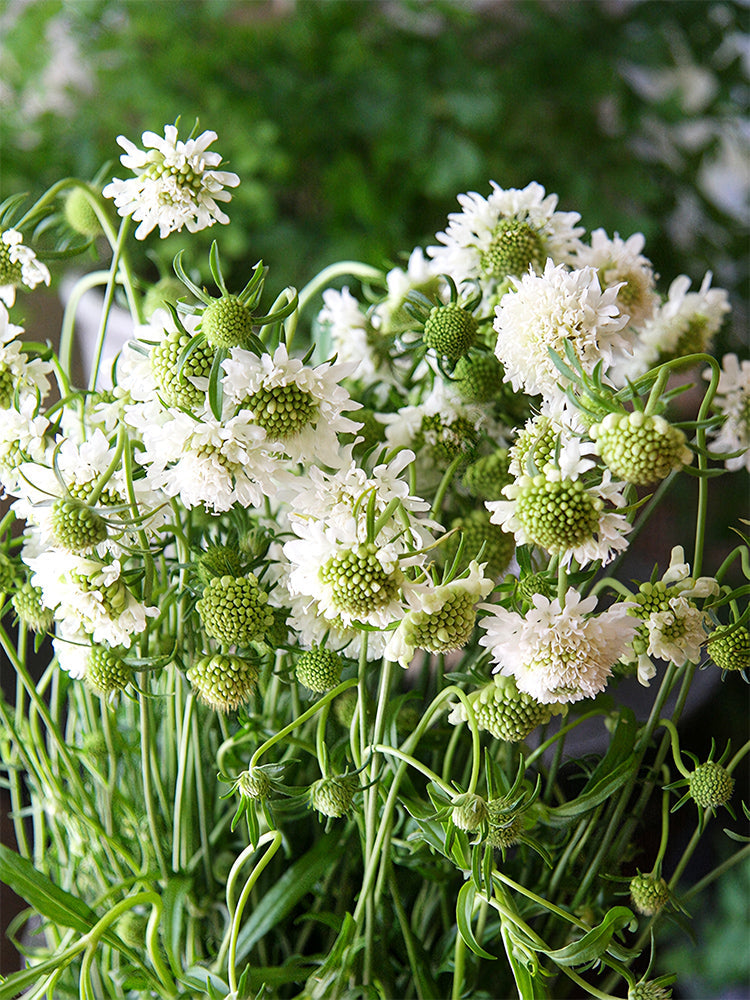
{"x": 350, "y": 268}
{"x": 109, "y": 295}
{"x": 671, "y": 729}
{"x": 148, "y": 792}
{"x": 179, "y": 846}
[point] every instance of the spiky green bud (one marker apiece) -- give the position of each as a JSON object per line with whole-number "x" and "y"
{"x": 649, "y": 894}
{"x": 507, "y": 713}
{"x": 515, "y": 245}
{"x": 77, "y": 527}
{"x": 469, "y": 812}
{"x": 282, "y": 410}
{"x": 173, "y": 380}
{"x": 218, "y": 560}
{"x": 557, "y": 514}
{"x": 732, "y": 651}
{"x": 710, "y": 785}
{"x": 638, "y": 448}
{"x": 478, "y": 377}
{"x": 359, "y": 582}
{"x": 227, "y": 323}
{"x": 480, "y": 534}
{"x": 450, "y": 331}
{"x": 486, "y": 477}
{"x": 106, "y": 671}
{"x": 28, "y": 605}
{"x": 333, "y": 795}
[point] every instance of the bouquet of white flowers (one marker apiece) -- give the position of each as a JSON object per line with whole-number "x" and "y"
{"x": 331, "y": 586}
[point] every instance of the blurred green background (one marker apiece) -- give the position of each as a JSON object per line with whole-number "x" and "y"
{"x": 353, "y": 126}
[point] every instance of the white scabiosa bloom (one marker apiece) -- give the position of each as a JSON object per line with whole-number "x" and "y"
{"x": 349, "y": 334}
{"x": 90, "y": 596}
{"x": 175, "y": 184}
{"x": 673, "y": 627}
{"x": 732, "y": 401}
{"x": 684, "y": 324}
{"x": 299, "y": 407}
{"x": 558, "y": 510}
{"x": 443, "y": 619}
{"x": 548, "y": 310}
{"x": 504, "y": 234}
{"x": 22, "y": 439}
{"x": 204, "y": 461}
{"x": 419, "y": 275}
{"x": 622, "y": 263}
{"x": 21, "y": 377}
{"x": 18, "y": 266}
{"x": 558, "y": 654}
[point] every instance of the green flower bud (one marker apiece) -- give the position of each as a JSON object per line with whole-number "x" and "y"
{"x": 77, "y": 527}
{"x": 218, "y": 560}
{"x": 174, "y": 382}
{"x": 505, "y": 826}
{"x": 507, "y": 713}
{"x": 227, "y": 323}
{"x": 446, "y": 441}
{"x": 8, "y": 573}
{"x": 649, "y": 894}
{"x": 223, "y": 682}
{"x": 477, "y": 531}
{"x": 79, "y": 213}
{"x": 649, "y": 991}
{"x": 358, "y": 580}
{"x": 557, "y": 514}
{"x": 166, "y": 290}
{"x": 333, "y": 796}
{"x": 254, "y": 784}
{"x": 730, "y": 652}
{"x": 478, "y": 377}
{"x": 640, "y": 449}
{"x": 470, "y": 812}
{"x": 106, "y": 671}
{"x": 282, "y": 410}
{"x": 710, "y": 785}
{"x": 319, "y": 669}
{"x": 486, "y": 477}
{"x": 28, "y": 605}
{"x": 450, "y": 331}
{"x": 234, "y": 610}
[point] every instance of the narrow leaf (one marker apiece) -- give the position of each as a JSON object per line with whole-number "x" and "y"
{"x": 464, "y": 911}
{"x": 595, "y": 942}
{"x": 56, "y": 904}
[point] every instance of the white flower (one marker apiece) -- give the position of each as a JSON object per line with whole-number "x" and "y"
{"x": 389, "y": 316}
{"x": 504, "y": 234}
{"x": 558, "y": 654}
{"x": 349, "y": 334}
{"x": 685, "y": 324}
{"x": 20, "y": 378}
{"x": 72, "y": 648}
{"x": 732, "y": 401}
{"x": 297, "y": 406}
{"x": 547, "y": 311}
{"x": 18, "y": 266}
{"x": 175, "y": 185}
{"x": 204, "y": 461}
{"x": 678, "y": 632}
{"x": 564, "y": 516}
{"x": 621, "y": 262}
{"x": 89, "y": 595}
{"x": 443, "y": 618}
{"x": 22, "y": 439}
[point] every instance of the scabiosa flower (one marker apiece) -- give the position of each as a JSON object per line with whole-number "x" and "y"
{"x": 297, "y": 406}
{"x": 90, "y": 596}
{"x": 223, "y": 682}
{"x": 18, "y": 266}
{"x": 351, "y": 334}
{"x": 175, "y": 185}
{"x": 210, "y": 463}
{"x": 21, "y": 378}
{"x": 685, "y": 324}
{"x": 558, "y": 654}
{"x": 621, "y": 263}
{"x": 546, "y": 311}
{"x": 673, "y": 627}
{"x": 732, "y": 401}
{"x": 557, "y": 511}
{"x": 443, "y": 619}
{"x": 22, "y": 439}
{"x": 640, "y": 448}
{"x": 503, "y": 711}
{"x": 181, "y": 385}
{"x": 389, "y": 316}
{"x": 504, "y": 234}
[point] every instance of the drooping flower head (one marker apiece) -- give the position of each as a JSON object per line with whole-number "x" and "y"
{"x": 175, "y": 183}
{"x": 558, "y": 654}
{"x": 18, "y": 266}
{"x": 684, "y": 324}
{"x": 621, "y": 262}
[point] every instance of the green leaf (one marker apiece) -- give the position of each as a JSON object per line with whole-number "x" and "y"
{"x": 559, "y": 815}
{"x": 464, "y": 911}
{"x": 173, "y": 900}
{"x": 288, "y": 890}
{"x": 215, "y": 386}
{"x": 55, "y": 904}
{"x": 595, "y": 942}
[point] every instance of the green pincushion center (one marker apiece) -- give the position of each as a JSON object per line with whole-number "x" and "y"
{"x": 558, "y": 514}
{"x": 358, "y": 581}
{"x": 514, "y": 246}
{"x": 282, "y": 410}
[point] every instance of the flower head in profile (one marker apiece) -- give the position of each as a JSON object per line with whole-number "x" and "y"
{"x": 732, "y": 401}
{"x": 546, "y": 312}
{"x": 18, "y": 266}
{"x": 558, "y": 654}
{"x": 175, "y": 183}
{"x": 621, "y": 262}
{"x": 684, "y": 324}
{"x": 21, "y": 378}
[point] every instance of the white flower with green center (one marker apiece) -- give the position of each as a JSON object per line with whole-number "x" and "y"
{"x": 558, "y": 654}
{"x": 547, "y": 311}
{"x": 560, "y": 514}
{"x": 21, "y": 378}
{"x": 18, "y": 266}
{"x": 685, "y": 323}
{"x": 389, "y": 316}
{"x": 207, "y": 462}
{"x": 443, "y": 618}
{"x": 300, "y": 407}
{"x": 620, "y": 262}
{"x": 504, "y": 234}
{"x": 732, "y": 401}
{"x": 672, "y": 627}
{"x": 22, "y": 439}
{"x": 175, "y": 184}
{"x": 89, "y": 595}
{"x": 178, "y": 385}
